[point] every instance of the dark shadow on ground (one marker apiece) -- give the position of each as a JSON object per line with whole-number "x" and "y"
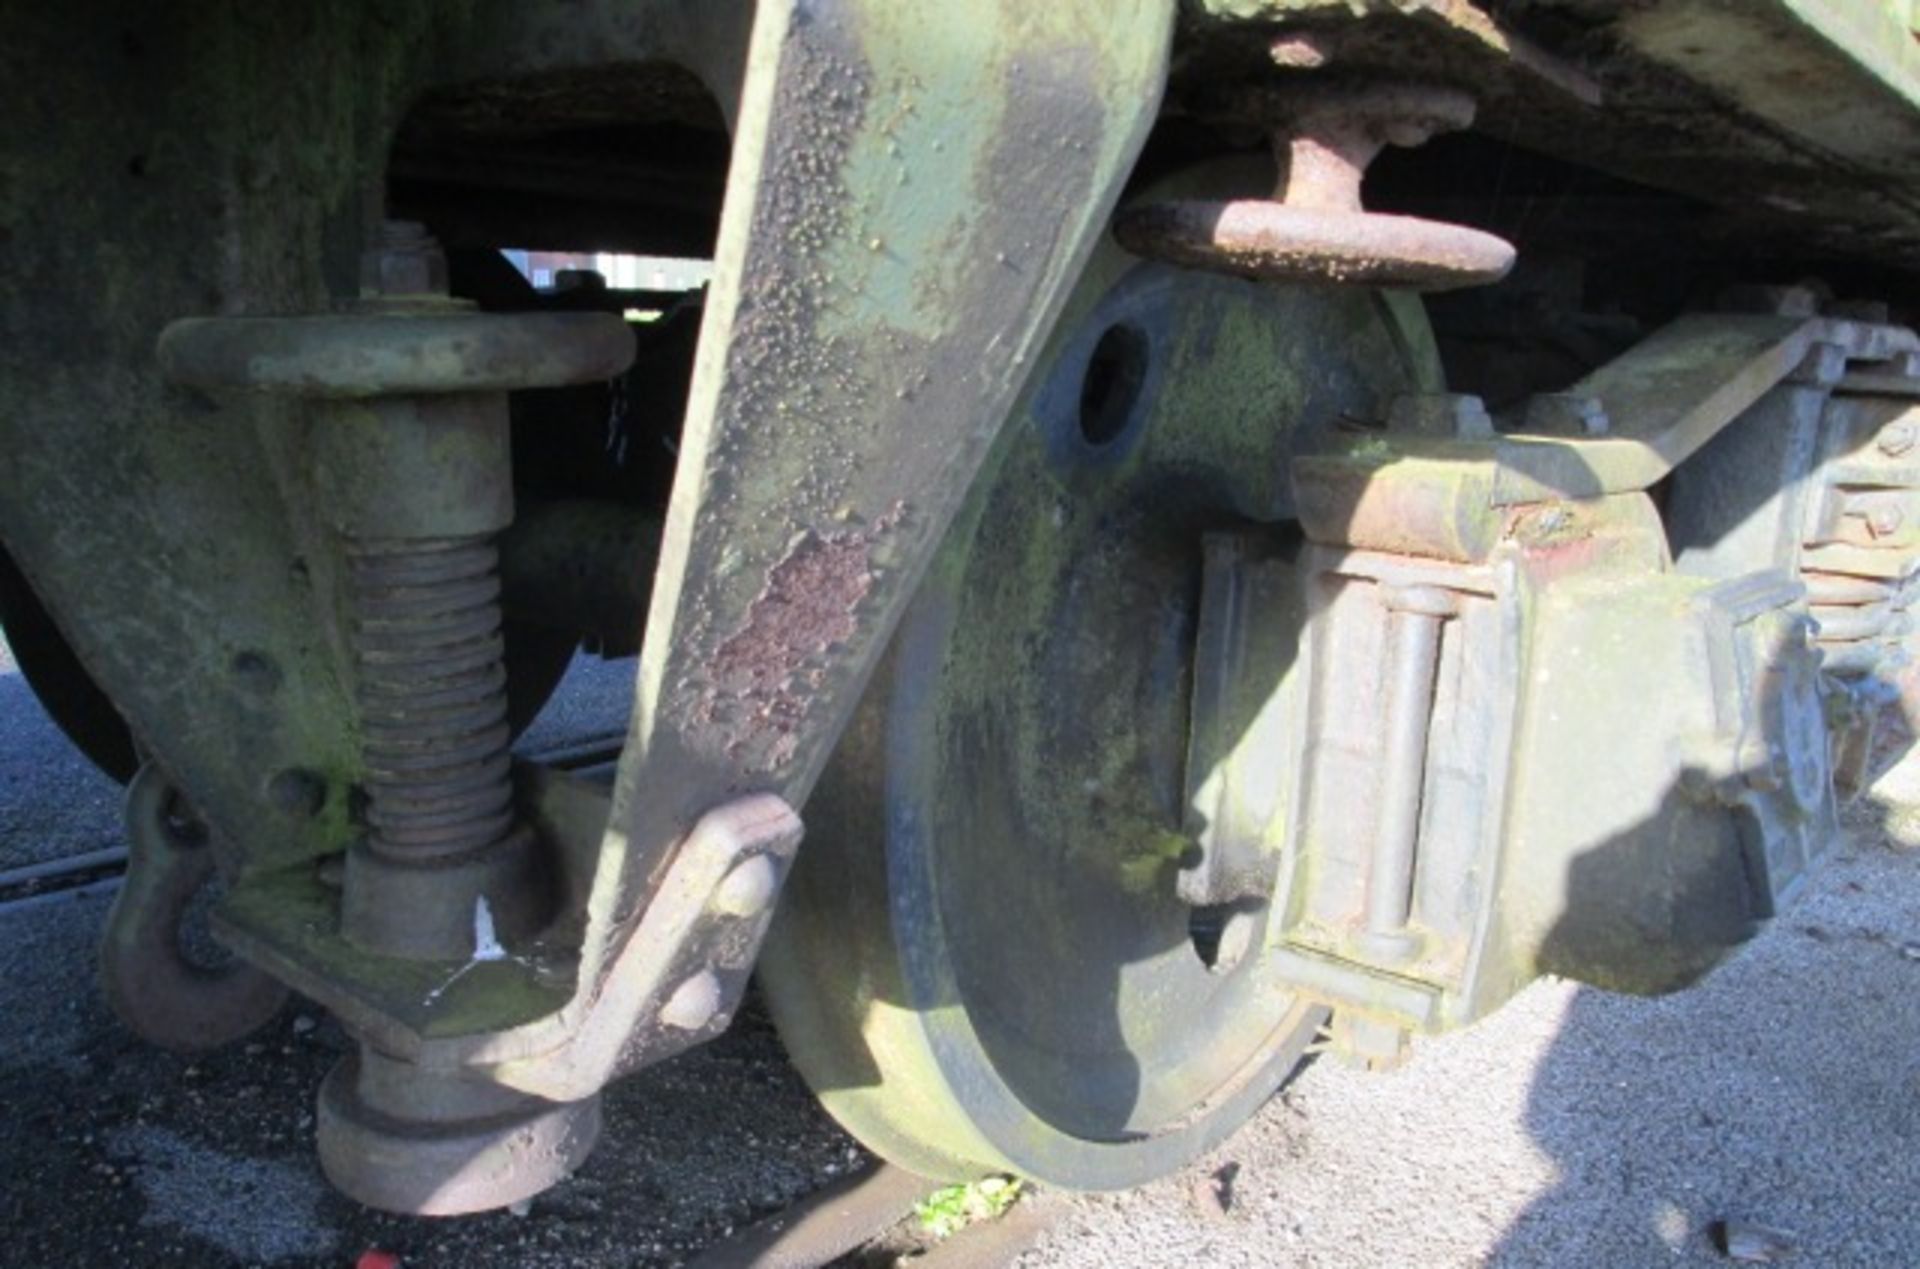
{"x": 1667, "y": 1116}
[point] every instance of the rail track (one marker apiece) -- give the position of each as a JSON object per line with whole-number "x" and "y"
{"x": 57, "y": 880}
{"x": 97, "y": 872}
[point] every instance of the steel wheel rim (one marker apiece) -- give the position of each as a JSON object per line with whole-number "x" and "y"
{"x": 894, "y": 1027}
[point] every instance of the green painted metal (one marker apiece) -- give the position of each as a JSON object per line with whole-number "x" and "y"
{"x": 895, "y": 246}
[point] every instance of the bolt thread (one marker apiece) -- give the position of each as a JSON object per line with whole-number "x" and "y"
{"x": 432, "y": 689}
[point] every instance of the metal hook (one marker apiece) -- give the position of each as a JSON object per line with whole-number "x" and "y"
{"x": 151, "y": 985}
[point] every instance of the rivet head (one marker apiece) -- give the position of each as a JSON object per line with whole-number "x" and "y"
{"x": 694, "y": 1003}
{"x": 1897, "y": 438}
{"x": 750, "y": 887}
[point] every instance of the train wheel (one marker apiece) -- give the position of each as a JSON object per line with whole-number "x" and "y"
{"x": 981, "y": 963}
{"x": 65, "y": 690}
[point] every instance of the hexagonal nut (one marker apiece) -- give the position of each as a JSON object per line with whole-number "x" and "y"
{"x": 750, "y": 888}
{"x": 1885, "y": 520}
{"x": 580, "y": 280}
{"x": 1567, "y": 412}
{"x": 694, "y": 1003}
{"x": 1777, "y": 301}
{"x": 1449, "y": 414}
{"x": 404, "y": 260}
{"x": 1897, "y": 437}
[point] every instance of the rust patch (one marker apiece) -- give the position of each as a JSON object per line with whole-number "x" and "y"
{"x": 1274, "y": 242}
{"x": 763, "y": 678}
{"x": 1315, "y": 230}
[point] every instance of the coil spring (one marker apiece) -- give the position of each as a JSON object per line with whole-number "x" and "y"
{"x": 432, "y": 692}
{"x": 1856, "y": 616}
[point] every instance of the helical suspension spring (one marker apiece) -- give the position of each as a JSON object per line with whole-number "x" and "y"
{"x": 432, "y": 690}
{"x": 1857, "y": 616}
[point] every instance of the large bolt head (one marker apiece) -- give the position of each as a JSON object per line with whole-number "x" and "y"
{"x": 693, "y": 1003}
{"x": 1567, "y": 412}
{"x": 1897, "y": 438}
{"x": 750, "y": 887}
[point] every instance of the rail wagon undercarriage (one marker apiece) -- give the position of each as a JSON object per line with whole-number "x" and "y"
{"x": 1176, "y": 533}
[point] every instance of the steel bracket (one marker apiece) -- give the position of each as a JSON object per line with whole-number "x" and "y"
{"x": 1462, "y": 661}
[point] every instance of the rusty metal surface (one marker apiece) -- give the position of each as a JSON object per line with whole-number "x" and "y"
{"x": 682, "y": 974}
{"x": 241, "y": 156}
{"x": 1274, "y": 242}
{"x": 840, "y": 579}
{"x": 1697, "y": 837}
{"x": 1670, "y": 395}
{"x": 823, "y": 1227}
{"x": 839, "y": 91}
{"x": 1777, "y": 476}
{"x": 408, "y": 457}
{"x": 1818, "y": 479}
{"x": 1314, "y": 228}
{"x": 1417, "y": 496}
{"x": 1493, "y": 758}
{"x": 1454, "y": 41}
